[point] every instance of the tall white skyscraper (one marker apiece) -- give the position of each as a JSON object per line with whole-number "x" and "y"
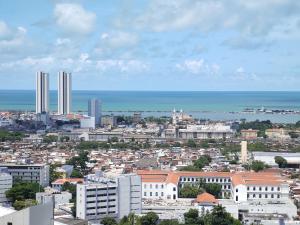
{"x": 42, "y": 92}
{"x": 94, "y": 109}
{"x": 64, "y": 93}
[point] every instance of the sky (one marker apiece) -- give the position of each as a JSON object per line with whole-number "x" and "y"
{"x": 178, "y": 45}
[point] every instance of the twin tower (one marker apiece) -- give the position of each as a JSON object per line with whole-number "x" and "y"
{"x": 64, "y": 92}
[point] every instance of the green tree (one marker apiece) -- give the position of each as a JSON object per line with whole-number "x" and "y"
{"x": 109, "y": 221}
{"x": 53, "y": 175}
{"x": 257, "y": 165}
{"x": 49, "y": 139}
{"x": 219, "y": 216}
{"x": 191, "y": 143}
{"x": 214, "y": 189}
{"x": 190, "y": 191}
{"x": 150, "y": 218}
{"x": 192, "y": 217}
{"x": 282, "y": 163}
{"x": 22, "y": 204}
{"x": 22, "y": 191}
{"x": 169, "y": 222}
{"x": 76, "y": 174}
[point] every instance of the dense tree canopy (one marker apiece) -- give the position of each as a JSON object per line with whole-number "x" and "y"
{"x": 282, "y": 163}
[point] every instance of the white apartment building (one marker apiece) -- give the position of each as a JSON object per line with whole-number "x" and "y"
{"x": 241, "y": 187}
{"x": 33, "y": 173}
{"x": 64, "y": 93}
{"x": 100, "y": 197}
{"x": 42, "y": 92}
{"x": 5, "y": 185}
{"x": 211, "y": 131}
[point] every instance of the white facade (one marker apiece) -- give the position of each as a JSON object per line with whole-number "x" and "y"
{"x": 94, "y": 110}
{"x": 58, "y": 198}
{"x": 35, "y": 215}
{"x": 88, "y": 122}
{"x": 33, "y": 173}
{"x": 101, "y": 197}
{"x": 42, "y": 92}
{"x": 5, "y": 185}
{"x": 244, "y": 152}
{"x": 64, "y": 93}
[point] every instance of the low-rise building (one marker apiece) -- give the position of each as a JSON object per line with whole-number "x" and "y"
{"x": 100, "y": 197}
{"x": 32, "y": 173}
{"x": 249, "y": 134}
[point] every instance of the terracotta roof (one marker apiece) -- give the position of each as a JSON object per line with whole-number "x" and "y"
{"x": 70, "y": 180}
{"x": 206, "y": 198}
{"x": 245, "y": 178}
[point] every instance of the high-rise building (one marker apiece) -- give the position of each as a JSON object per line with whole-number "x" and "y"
{"x": 42, "y": 92}
{"x": 64, "y": 93}
{"x": 94, "y": 109}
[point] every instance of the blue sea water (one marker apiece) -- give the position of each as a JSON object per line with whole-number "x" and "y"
{"x": 208, "y": 105}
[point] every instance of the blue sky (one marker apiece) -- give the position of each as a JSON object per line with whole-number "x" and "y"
{"x": 152, "y": 45}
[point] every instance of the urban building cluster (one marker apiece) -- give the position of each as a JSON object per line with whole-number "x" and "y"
{"x": 90, "y": 167}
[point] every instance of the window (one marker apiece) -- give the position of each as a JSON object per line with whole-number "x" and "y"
{"x": 9, "y": 223}
{"x": 156, "y": 186}
{"x": 272, "y": 188}
{"x": 266, "y": 188}
{"x": 259, "y": 188}
{"x": 247, "y": 195}
{"x": 208, "y": 179}
{"x": 266, "y": 195}
{"x": 259, "y": 195}
{"x": 150, "y": 185}
{"x": 145, "y": 185}
{"x": 221, "y": 180}
{"x": 237, "y": 190}
{"x": 236, "y": 198}
{"x": 254, "y": 188}
{"x": 150, "y": 193}
{"x": 145, "y": 193}
{"x": 174, "y": 188}
{"x": 162, "y": 194}
{"x": 248, "y": 188}
{"x": 193, "y": 179}
{"x": 156, "y": 193}
{"x": 278, "y": 188}
{"x": 278, "y": 196}
{"x": 254, "y": 196}
{"x": 162, "y": 186}
{"x": 272, "y": 196}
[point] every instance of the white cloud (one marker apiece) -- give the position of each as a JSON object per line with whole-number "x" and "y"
{"x": 198, "y": 67}
{"x": 119, "y": 39}
{"x": 121, "y": 65}
{"x": 74, "y": 19}
{"x": 265, "y": 20}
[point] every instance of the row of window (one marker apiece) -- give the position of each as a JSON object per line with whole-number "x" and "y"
{"x": 101, "y": 195}
{"x": 105, "y": 200}
{"x": 260, "y": 188}
{"x": 156, "y": 194}
{"x": 101, "y": 207}
{"x": 261, "y": 196}
{"x": 156, "y": 186}
{"x": 192, "y": 179}
{"x": 101, "y": 213}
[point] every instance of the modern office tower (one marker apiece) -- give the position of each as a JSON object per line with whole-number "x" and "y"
{"x": 64, "y": 93}
{"x": 100, "y": 197}
{"x": 32, "y": 173}
{"x": 244, "y": 152}
{"x": 42, "y": 92}
{"x": 94, "y": 109}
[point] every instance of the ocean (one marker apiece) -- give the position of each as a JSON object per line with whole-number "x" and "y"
{"x": 213, "y": 105}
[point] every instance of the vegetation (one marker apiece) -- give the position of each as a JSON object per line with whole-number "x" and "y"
{"x": 72, "y": 189}
{"x": 261, "y": 126}
{"x": 257, "y": 165}
{"x": 218, "y": 216}
{"x": 22, "y": 204}
{"x": 49, "y": 139}
{"x": 10, "y": 136}
{"x": 191, "y": 191}
{"x": 53, "y": 175}
{"x": 198, "y": 164}
{"x": 282, "y": 163}
{"x": 79, "y": 162}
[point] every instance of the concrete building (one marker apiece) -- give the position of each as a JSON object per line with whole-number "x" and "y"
{"x": 101, "y": 197}
{"x": 211, "y": 131}
{"x": 137, "y": 117}
{"x": 249, "y": 134}
{"x": 64, "y": 93}
{"x": 35, "y": 215}
{"x": 277, "y": 133}
{"x": 109, "y": 120}
{"x": 244, "y": 152}
{"x": 33, "y": 173}
{"x": 50, "y": 195}
{"x": 240, "y": 187}
{"x": 94, "y": 110}
{"x": 5, "y": 185}
{"x": 88, "y": 122}
{"x": 42, "y": 92}
{"x": 205, "y": 202}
